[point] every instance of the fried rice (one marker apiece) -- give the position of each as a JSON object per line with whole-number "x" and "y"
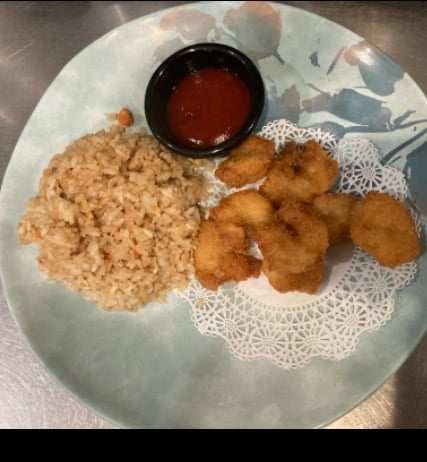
{"x": 116, "y": 217}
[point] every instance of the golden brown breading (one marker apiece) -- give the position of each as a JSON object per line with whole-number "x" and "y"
{"x": 294, "y": 238}
{"x": 222, "y": 251}
{"x": 335, "y": 211}
{"x": 247, "y": 163}
{"x": 308, "y": 281}
{"x": 245, "y": 208}
{"x": 233, "y": 235}
{"x": 300, "y": 174}
{"x": 295, "y": 242}
{"x": 385, "y": 229}
{"x": 217, "y": 262}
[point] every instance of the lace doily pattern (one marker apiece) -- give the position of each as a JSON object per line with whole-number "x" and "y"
{"x": 358, "y": 295}
{"x": 362, "y": 171}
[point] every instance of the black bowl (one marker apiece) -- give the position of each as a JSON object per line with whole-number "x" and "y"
{"x": 185, "y": 62}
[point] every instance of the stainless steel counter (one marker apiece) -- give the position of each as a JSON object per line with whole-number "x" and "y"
{"x": 36, "y": 40}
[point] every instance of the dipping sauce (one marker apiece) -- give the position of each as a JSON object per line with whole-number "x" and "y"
{"x": 208, "y": 107}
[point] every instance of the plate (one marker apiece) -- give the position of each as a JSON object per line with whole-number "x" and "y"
{"x": 153, "y": 368}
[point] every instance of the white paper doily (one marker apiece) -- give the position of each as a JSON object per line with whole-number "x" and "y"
{"x": 358, "y": 294}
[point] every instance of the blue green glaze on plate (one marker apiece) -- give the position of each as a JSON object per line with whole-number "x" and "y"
{"x": 153, "y": 368}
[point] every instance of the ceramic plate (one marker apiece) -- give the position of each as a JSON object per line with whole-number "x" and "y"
{"x": 153, "y": 368}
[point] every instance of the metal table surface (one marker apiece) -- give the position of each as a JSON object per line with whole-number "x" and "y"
{"x": 36, "y": 40}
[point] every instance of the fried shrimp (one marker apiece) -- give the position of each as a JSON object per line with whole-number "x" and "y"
{"x": 245, "y": 208}
{"x": 385, "y": 229}
{"x": 247, "y": 163}
{"x": 295, "y": 242}
{"x": 222, "y": 250}
{"x": 293, "y": 219}
{"x": 308, "y": 281}
{"x": 216, "y": 261}
{"x": 233, "y": 235}
{"x": 335, "y": 211}
{"x": 300, "y": 174}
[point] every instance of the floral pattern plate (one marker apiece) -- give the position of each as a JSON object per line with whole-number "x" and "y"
{"x": 153, "y": 368}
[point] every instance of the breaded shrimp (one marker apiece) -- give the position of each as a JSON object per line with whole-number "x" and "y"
{"x": 335, "y": 211}
{"x": 295, "y": 242}
{"x": 247, "y": 163}
{"x": 385, "y": 229}
{"x": 217, "y": 261}
{"x": 300, "y": 174}
{"x": 245, "y": 208}
{"x": 308, "y": 281}
{"x": 233, "y": 235}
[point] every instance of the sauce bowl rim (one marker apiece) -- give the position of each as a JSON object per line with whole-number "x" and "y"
{"x": 256, "y": 89}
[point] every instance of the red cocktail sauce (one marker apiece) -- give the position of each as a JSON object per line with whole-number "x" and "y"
{"x": 208, "y": 107}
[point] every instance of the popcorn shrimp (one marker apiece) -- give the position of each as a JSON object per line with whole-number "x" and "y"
{"x": 295, "y": 242}
{"x": 335, "y": 211}
{"x": 217, "y": 262}
{"x": 247, "y": 163}
{"x": 300, "y": 174}
{"x": 308, "y": 281}
{"x": 245, "y": 208}
{"x": 385, "y": 229}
